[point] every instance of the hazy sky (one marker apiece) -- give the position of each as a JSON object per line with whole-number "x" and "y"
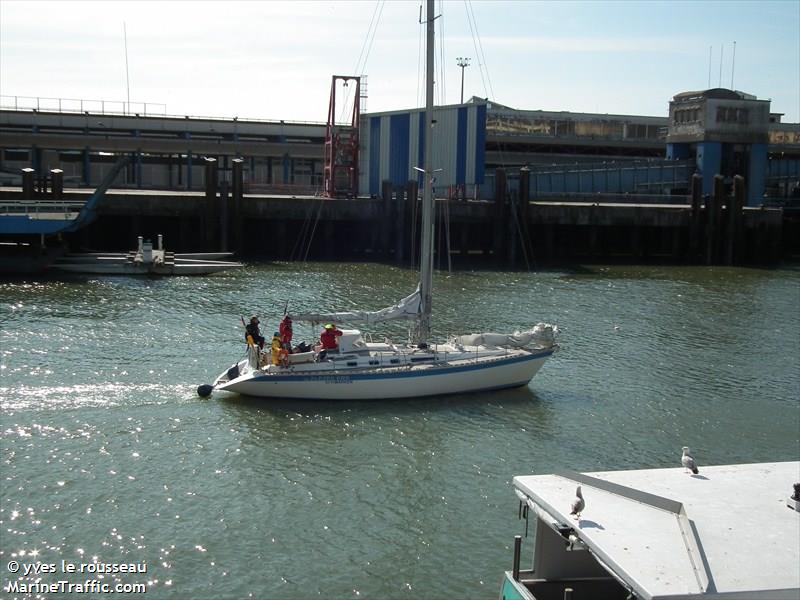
{"x": 274, "y": 60}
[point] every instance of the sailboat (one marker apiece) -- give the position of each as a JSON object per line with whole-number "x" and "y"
{"x": 364, "y": 370}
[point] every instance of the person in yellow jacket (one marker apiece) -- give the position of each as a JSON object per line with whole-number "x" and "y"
{"x": 278, "y": 351}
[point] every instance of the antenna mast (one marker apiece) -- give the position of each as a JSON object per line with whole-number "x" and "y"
{"x": 426, "y": 249}
{"x": 733, "y": 62}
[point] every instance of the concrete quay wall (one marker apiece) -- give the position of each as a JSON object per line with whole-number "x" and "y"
{"x": 509, "y": 234}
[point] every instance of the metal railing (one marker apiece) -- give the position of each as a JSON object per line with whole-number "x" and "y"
{"x": 68, "y": 208}
{"x": 120, "y": 107}
{"x": 78, "y": 105}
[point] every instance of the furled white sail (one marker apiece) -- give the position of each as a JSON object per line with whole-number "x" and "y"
{"x": 541, "y": 336}
{"x": 407, "y": 308}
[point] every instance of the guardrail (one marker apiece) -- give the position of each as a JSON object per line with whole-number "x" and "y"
{"x": 118, "y": 107}
{"x": 27, "y": 207}
{"x": 78, "y": 105}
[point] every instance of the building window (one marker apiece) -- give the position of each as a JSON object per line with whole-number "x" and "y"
{"x": 728, "y": 114}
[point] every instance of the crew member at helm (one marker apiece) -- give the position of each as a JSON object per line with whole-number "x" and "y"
{"x": 330, "y": 337}
{"x": 253, "y": 331}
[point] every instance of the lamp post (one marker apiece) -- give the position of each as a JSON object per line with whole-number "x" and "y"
{"x": 462, "y": 62}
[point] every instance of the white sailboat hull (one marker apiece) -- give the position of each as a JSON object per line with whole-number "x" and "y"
{"x": 361, "y": 370}
{"x": 514, "y": 369}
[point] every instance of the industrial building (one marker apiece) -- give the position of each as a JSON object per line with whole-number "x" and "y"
{"x": 710, "y": 132}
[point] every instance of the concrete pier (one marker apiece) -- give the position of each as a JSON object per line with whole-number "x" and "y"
{"x": 507, "y": 232}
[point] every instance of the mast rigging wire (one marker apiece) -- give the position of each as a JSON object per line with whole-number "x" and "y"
{"x": 442, "y": 88}
{"x": 474, "y": 31}
{"x": 369, "y": 39}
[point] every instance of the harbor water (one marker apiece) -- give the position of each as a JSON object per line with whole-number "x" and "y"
{"x": 110, "y": 457}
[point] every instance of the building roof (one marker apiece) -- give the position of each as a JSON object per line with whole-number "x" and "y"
{"x": 669, "y": 534}
{"x": 713, "y": 93}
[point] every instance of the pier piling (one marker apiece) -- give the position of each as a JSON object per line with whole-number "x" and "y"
{"x": 398, "y": 215}
{"x": 412, "y": 220}
{"x": 695, "y": 220}
{"x": 223, "y": 216}
{"x": 386, "y": 217}
{"x": 56, "y": 183}
{"x": 733, "y": 241}
{"x": 237, "y": 193}
{"x": 28, "y": 175}
{"x": 210, "y": 213}
{"x": 499, "y": 228}
{"x": 713, "y": 219}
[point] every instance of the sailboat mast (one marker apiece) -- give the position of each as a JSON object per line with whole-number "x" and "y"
{"x": 426, "y": 252}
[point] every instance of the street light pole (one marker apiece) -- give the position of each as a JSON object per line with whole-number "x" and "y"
{"x": 462, "y": 62}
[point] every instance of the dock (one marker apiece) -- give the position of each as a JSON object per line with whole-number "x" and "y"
{"x": 512, "y": 230}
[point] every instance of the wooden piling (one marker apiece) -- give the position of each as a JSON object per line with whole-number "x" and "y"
{"x": 713, "y": 219}
{"x": 398, "y": 215}
{"x": 523, "y": 214}
{"x": 210, "y": 213}
{"x": 223, "y": 216}
{"x": 499, "y": 216}
{"x": 734, "y": 230}
{"x": 695, "y": 229}
{"x": 512, "y": 231}
{"x": 386, "y": 218}
{"x": 237, "y": 204}
{"x": 412, "y": 218}
{"x": 57, "y": 184}
{"x": 28, "y": 175}
{"x": 594, "y": 231}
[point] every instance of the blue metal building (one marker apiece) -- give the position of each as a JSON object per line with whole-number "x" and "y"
{"x": 393, "y": 143}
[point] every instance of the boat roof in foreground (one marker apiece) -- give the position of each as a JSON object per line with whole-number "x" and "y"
{"x": 668, "y": 534}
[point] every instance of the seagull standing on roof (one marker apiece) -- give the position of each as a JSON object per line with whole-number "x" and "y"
{"x": 578, "y": 504}
{"x": 688, "y": 462}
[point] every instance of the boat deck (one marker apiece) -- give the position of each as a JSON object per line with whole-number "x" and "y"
{"x": 670, "y": 534}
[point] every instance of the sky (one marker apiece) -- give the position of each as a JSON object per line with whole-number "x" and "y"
{"x": 274, "y": 59}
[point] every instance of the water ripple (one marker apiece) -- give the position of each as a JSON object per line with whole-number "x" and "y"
{"x": 107, "y": 452}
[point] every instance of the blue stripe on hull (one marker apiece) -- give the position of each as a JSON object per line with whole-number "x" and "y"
{"x": 400, "y": 375}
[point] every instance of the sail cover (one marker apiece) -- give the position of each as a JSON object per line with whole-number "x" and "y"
{"x": 407, "y": 308}
{"x": 541, "y": 336}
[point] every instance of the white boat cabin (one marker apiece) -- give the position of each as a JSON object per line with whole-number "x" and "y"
{"x": 730, "y": 531}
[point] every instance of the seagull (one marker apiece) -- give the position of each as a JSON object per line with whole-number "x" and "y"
{"x": 688, "y": 462}
{"x": 578, "y": 504}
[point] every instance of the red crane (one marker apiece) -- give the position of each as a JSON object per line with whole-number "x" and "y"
{"x": 341, "y": 145}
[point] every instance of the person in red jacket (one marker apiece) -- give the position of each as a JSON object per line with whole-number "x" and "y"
{"x": 285, "y": 329}
{"x": 330, "y": 337}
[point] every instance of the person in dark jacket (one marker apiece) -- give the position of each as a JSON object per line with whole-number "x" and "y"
{"x": 254, "y": 332}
